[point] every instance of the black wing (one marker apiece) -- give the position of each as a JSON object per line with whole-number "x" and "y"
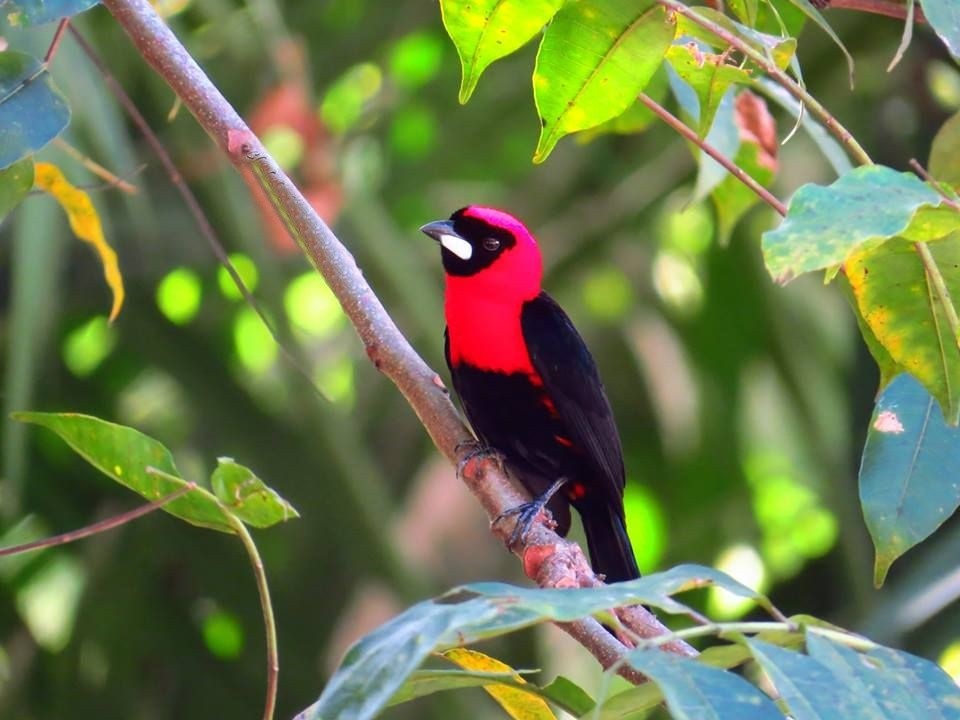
{"x": 572, "y": 382}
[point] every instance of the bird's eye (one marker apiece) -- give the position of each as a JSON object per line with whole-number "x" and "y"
{"x": 491, "y": 244}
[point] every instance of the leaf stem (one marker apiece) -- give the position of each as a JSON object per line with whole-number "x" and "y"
{"x": 269, "y": 622}
{"x": 738, "y": 172}
{"x": 97, "y": 527}
{"x": 789, "y": 84}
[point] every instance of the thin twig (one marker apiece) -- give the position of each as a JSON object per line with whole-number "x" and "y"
{"x": 189, "y": 199}
{"x": 889, "y": 8}
{"x": 789, "y": 84}
{"x": 922, "y": 172}
{"x": 386, "y": 346}
{"x": 95, "y": 167}
{"x": 55, "y": 42}
{"x": 738, "y": 172}
{"x": 97, "y": 527}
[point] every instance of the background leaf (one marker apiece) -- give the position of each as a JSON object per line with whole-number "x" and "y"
{"x": 944, "y": 18}
{"x": 33, "y": 111}
{"x": 904, "y": 491}
{"x": 709, "y": 75}
{"x": 15, "y": 183}
{"x": 37, "y": 12}
{"x": 944, "y": 162}
{"x": 594, "y": 59}
{"x": 486, "y": 30}
{"x": 125, "y": 454}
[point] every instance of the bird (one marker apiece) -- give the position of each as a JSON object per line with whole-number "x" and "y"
{"x": 528, "y": 384}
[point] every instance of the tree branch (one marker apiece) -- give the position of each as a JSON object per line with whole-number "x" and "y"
{"x": 549, "y": 559}
{"x": 889, "y": 8}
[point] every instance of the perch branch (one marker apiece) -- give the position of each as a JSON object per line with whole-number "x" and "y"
{"x": 385, "y": 345}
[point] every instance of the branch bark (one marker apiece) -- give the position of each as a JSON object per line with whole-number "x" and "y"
{"x": 547, "y": 558}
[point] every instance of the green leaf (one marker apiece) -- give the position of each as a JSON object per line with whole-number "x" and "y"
{"x": 32, "y": 110}
{"x": 125, "y": 455}
{"x": 638, "y": 117}
{"x": 486, "y": 30}
{"x": 694, "y": 690}
{"x": 709, "y": 75}
{"x": 809, "y": 689}
{"x": 595, "y": 58}
{"x": 15, "y": 183}
{"x": 944, "y": 163}
{"x": 779, "y": 50}
{"x": 903, "y": 490}
{"x": 811, "y": 12}
{"x": 566, "y": 694}
{"x": 897, "y": 301}
{"x": 427, "y": 682}
{"x": 885, "y": 363}
{"x": 944, "y": 18}
{"x": 517, "y": 701}
{"x": 36, "y": 12}
{"x": 248, "y": 497}
{"x": 861, "y": 209}
{"x": 374, "y": 669}
{"x": 630, "y": 704}
{"x": 745, "y": 10}
{"x": 890, "y": 685}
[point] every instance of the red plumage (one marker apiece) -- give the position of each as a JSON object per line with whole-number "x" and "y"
{"x": 527, "y": 381}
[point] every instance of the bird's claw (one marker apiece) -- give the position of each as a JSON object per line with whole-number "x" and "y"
{"x": 528, "y": 512}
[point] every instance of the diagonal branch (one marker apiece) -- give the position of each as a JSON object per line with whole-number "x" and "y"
{"x": 548, "y": 559}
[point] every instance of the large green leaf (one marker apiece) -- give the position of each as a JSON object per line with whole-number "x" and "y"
{"x": 32, "y": 110}
{"x": 900, "y": 305}
{"x": 125, "y": 455}
{"x": 694, "y": 690}
{"x": 944, "y": 18}
{"x": 944, "y": 163}
{"x": 904, "y": 491}
{"x": 486, "y": 30}
{"x": 861, "y": 209}
{"x": 890, "y": 685}
{"x": 638, "y": 117}
{"x": 708, "y": 75}
{"x": 247, "y": 496}
{"x": 15, "y": 183}
{"x": 36, "y": 12}
{"x": 595, "y": 58}
{"x": 375, "y": 668}
{"x": 809, "y": 689}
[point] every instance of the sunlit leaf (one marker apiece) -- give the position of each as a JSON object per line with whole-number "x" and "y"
{"x": 780, "y": 50}
{"x": 85, "y": 223}
{"x": 486, "y": 30}
{"x": 709, "y": 75}
{"x": 944, "y": 163}
{"x": 36, "y": 12}
{"x": 694, "y": 690}
{"x": 895, "y": 296}
{"x": 637, "y": 117}
{"x": 904, "y": 491}
{"x": 594, "y": 60}
{"x": 860, "y": 210}
{"x": 33, "y": 111}
{"x": 125, "y": 455}
{"x": 745, "y": 10}
{"x": 247, "y": 496}
{"x": 516, "y": 703}
{"x": 944, "y": 18}
{"x": 15, "y": 183}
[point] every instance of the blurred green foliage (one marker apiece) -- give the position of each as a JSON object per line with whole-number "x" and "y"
{"x": 742, "y": 406}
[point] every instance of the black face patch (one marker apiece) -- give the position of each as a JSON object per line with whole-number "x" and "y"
{"x": 488, "y": 243}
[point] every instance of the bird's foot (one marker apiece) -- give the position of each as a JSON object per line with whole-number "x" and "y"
{"x": 476, "y": 451}
{"x": 527, "y": 512}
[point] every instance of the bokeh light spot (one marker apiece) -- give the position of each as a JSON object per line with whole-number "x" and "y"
{"x": 179, "y": 295}
{"x": 676, "y": 282}
{"x": 254, "y": 346}
{"x": 285, "y": 144}
{"x": 607, "y": 293}
{"x": 950, "y": 660}
{"x": 646, "y": 525}
{"x": 336, "y": 382}
{"x": 246, "y": 269}
{"x": 85, "y": 347}
{"x": 744, "y": 564}
{"x": 347, "y": 98}
{"x": 415, "y": 59}
{"x": 413, "y": 131}
{"x": 312, "y": 306}
{"x": 223, "y": 635}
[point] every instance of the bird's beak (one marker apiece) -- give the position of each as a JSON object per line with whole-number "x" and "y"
{"x": 442, "y": 231}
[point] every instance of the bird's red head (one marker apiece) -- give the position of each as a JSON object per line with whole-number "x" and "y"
{"x": 489, "y": 254}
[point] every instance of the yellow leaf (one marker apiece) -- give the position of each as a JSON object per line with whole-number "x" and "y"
{"x": 518, "y": 704}
{"x": 85, "y": 224}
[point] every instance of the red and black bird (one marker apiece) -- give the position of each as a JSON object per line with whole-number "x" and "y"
{"x": 528, "y": 383}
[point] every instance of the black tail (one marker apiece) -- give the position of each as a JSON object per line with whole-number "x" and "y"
{"x": 610, "y": 549}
